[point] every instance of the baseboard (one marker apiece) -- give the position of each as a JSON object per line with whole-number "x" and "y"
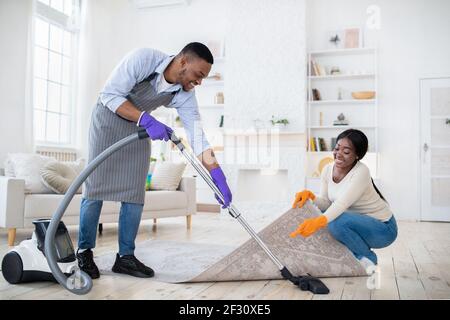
{"x": 207, "y": 207}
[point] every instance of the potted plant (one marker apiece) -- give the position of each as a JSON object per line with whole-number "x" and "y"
{"x": 150, "y": 173}
{"x": 178, "y": 122}
{"x": 279, "y": 123}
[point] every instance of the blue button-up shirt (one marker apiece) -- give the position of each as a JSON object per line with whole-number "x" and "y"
{"x": 137, "y": 66}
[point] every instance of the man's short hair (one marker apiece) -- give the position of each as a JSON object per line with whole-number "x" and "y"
{"x": 200, "y": 50}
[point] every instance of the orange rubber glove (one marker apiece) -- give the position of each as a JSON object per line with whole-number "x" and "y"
{"x": 309, "y": 226}
{"x": 301, "y": 197}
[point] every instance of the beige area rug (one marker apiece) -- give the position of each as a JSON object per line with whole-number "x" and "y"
{"x": 319, "y": 255}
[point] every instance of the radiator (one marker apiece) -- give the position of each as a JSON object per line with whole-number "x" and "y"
{"x": 58, "y": 153}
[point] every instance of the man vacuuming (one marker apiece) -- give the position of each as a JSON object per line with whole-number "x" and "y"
{"x": 143, "y": 81}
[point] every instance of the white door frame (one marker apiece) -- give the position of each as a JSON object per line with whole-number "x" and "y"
{"x": 425, "y": 84}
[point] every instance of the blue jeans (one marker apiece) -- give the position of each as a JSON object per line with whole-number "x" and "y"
{"x": 360, "y": 233}
{"x": 129, "y": 219}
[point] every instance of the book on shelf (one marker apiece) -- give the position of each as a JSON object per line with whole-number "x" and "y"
{"x": 317, "y": 144}
{"x": 322, "y": 144}
{"x": 333, "y": 143}
{"x": 312, "y": 145}
{"x": 312, "y": 70}
{"x": 317, "y": 69}
{"x": 316, "y": 141}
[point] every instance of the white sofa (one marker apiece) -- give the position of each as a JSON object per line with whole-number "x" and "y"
{"x": 18, "y": 209}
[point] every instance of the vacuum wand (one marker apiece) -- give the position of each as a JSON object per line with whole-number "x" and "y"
{"x": 80, "y": 282}
{"x": 233, "y": 211}
{"x": 304, "y": 282}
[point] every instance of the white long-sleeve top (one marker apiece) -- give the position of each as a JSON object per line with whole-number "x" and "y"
{"x": 138, "y": 65}
{"x": 354, "y": 193}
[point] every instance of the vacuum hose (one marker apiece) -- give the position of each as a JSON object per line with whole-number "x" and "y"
{"x": 79, "y": 282}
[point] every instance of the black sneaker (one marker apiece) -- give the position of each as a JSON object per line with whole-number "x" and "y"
{"x": 130, "y": 265}
{"x": 87, "y": 264}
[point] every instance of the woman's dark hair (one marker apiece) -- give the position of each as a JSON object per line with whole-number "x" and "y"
{"x": 361, "y": 145}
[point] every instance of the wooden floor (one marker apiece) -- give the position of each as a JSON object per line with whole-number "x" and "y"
{"x": 416, "y": 266}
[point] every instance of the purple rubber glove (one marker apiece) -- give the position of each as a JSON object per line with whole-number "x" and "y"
{"x": 221, "y": 182}
{"x": 155, "y": 129}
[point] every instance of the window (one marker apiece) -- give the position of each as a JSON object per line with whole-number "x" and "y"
{"x": 55, "y": 35}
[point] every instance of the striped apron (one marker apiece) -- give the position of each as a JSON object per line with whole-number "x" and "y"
{"x": 122, "y": 176}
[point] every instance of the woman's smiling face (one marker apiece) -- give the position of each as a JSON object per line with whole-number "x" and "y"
{"x": 344, "y": 153}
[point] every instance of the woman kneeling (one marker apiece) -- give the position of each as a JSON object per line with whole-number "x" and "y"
{"x": 354, "y": 210}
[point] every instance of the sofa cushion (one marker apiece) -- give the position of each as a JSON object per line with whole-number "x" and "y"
{"x": 162, "y": 200}
{"x": 58, "y": 176}
{"x": 167, "y": 176}
{"x": 26, "y": 166}
{"x": 45, "y": 205}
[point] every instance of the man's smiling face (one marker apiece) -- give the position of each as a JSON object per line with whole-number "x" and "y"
{"x": 193, "y": 71}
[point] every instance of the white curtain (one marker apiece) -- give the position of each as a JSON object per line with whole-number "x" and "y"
{"x": 15, "y": 89}
{"x": 87, "y": 74}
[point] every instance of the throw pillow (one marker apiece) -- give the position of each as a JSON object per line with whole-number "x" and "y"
{"x": 58, "y": 176}
{"x": 77, "y": 165}
{"x": 9, "y": 168}
{"x": 167, "y": 176}
{"x": 26, "y": 166}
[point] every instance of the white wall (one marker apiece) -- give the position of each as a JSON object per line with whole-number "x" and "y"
{"x": 256, "y": 81}
{"x": 266, "y": 59}
{"x": 266, "y": 63}
{"x": 15, "y": 121}
{"x": 413, "y": 42}
{"x": 113, "y": 28}
{"x": 265, "y": 72}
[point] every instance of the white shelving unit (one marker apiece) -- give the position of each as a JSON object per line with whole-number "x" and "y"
{"x": 344, "y": 127}
{"x": 343, "y": 52}
{"x": 354, "y": 101}
{"x": 211, "y": 113}
{"x": 208, "y": 83}
{"x": 212, "y": 106}
{"x": 344, "y": 76}
{"x": 358, "y": 72}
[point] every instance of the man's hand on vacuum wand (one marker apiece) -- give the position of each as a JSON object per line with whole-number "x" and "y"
{"x": 155, "y": 129}
{"x": 210, "y": 163}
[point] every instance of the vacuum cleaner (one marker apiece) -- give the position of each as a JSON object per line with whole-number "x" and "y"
{"x": 81, "y": 283}
{"x": 27, "y": 263}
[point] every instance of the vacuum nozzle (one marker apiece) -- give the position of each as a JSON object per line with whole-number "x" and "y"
{"x": 315, "y": 285}
{"x": 306, "y": 283}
